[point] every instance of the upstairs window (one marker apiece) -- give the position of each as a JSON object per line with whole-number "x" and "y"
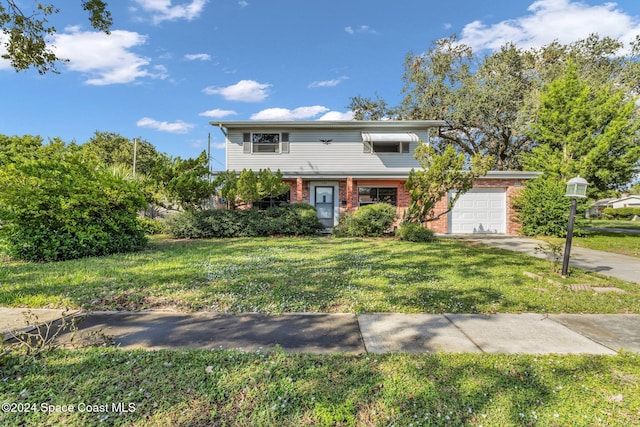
{"x": 265, "y": 142}
{"x": 274, "y": 143}
{"x": 388, "y": 142}
{"x": 390, "y": 147}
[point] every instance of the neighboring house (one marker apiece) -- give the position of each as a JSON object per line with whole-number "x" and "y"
{"x": 596, "y": 209}
{"x": 626, "y": 202}
{"x": 338, "y": 166}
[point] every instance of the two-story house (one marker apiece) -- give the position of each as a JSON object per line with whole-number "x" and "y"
{"x": 341, "y": 165}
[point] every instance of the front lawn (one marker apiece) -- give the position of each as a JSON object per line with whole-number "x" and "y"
{"x": 618, "y": 243}
{"x": 107, "y": 386}
{"x": 606, "y": 223}
{"x": 275, "y": 275}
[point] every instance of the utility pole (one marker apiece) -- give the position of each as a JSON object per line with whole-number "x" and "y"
{"x": 135, "y": 154}
{"x": 209, "y": 155}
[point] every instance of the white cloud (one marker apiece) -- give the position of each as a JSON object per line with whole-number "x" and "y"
{"x": 299, "y": 113}
{"x": 243, "y": 4}
{"x": 163, "y": 10}
{"x": 244, "y": 90}
{"x": 328, "y": 83}
{"x": 549, "y": 20}
{"x": 336, "y": 115}
{"x": 106, "y": 58}
{"x": 197, "y": 57}
{"x": 218, "y": 113}
{"x": 361, "y": 29}
{"x": 175, "y": 127}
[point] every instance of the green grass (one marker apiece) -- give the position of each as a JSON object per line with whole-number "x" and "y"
{"x": 619, "y": 243}
{"x": 223, "y": 387}
{"x": 604, "y": 223}
{"x": 275, "y": 275}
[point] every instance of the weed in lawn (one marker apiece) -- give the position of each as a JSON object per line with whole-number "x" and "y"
{"x": 41, "y": 337}
{"x": 553, "y": 252}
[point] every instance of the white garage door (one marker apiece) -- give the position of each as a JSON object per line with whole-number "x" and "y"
{"x": 480, "y": 210}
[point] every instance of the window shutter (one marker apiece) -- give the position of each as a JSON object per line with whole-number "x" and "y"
{"x": 285, "y": 143}
{"x": 246, "y": 143}
{"x": 366, "y": 147}
{"x": 406, "y": 148}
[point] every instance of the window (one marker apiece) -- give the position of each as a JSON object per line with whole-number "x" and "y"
{"x": 390, "y": 147}
{"x": 265, "y": 143}
{"x": 371, "y": 195}
{"x": 267, "y": 202}
{"x": 388, "y": 142}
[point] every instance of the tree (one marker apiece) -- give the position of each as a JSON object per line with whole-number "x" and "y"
{"x": 26, "y": 32}
{"x": 270, "y": 185}
{"x": 227, "y": 184}
{"x": 154, "y": 170}
{"x": 490, "y": 101}
{"x": 481, "y": 100}
{"x": 441, "y": 174}
{"x": 14, "y": 147}
{"x": 250, "y": 187}
{"x": 588, "y": 131}
{"x": 190, "y": 183}
{"x": 58, "y": 204}
{"x": 248, "y": 191}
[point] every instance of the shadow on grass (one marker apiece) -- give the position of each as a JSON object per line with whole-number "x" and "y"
{"x": 274, "y": 275}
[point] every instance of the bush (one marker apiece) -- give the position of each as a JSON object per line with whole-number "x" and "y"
{"x": 57, "y": 205}
{"x": 621, "y": 213}
{"x": 299, "y": 219}
{"x": 543, "y": 210}
{"x": 151, "y": 226}
{"x": 367, "y": 221}
{"x": 414, "y": 232}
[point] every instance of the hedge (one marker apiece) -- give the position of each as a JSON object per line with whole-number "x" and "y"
{"x": 298, "y": 219}
{"x": 621, "y": 213}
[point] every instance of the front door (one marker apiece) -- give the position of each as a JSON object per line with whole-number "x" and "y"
{"x": 324, "y": 205}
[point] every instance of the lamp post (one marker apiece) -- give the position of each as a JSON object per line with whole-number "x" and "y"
{"x": 576, "y": 187}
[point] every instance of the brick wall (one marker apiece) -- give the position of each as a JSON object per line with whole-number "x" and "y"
{"x": 348, "y": 193}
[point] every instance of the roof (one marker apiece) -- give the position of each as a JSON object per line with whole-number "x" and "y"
{"x": 602, "y": 202}
{"x": 401, "y": 125}
{"x": 622, "y": 199}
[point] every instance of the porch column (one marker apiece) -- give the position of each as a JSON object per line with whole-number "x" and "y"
{"x": 298, "y": 190}
{"x": 349, "y": 193}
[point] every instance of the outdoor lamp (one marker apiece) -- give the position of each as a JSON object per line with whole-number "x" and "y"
{"x": 576, "y": 187}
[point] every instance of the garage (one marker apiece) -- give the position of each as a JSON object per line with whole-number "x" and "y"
{"x": 480, "y": 210}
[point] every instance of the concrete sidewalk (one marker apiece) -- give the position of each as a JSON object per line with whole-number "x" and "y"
{"x": 367, "y": 333}
{"x": 606, "y": 263}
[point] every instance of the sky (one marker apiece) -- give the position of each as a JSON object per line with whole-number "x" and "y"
{"x": 170, "y": 67}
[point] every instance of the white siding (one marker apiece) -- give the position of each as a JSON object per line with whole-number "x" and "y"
{"x": 308, "y": 155}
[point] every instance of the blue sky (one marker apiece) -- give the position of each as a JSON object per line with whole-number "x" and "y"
{"x": 172, "y": 66}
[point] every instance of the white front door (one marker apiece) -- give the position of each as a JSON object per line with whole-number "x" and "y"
{"x": 324, "y": 196}
{"x": 480, "y": 210}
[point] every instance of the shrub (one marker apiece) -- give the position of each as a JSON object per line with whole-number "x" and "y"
{"x": 543, "y": 210}
{"x": 299, "y": 219}
{"x": 151, "y": 226}
{"x": 414, "y": 232}
{"x": 621, "y": 213}
{"x": 367, "y": 221}
{"x": 57, "y": 205}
